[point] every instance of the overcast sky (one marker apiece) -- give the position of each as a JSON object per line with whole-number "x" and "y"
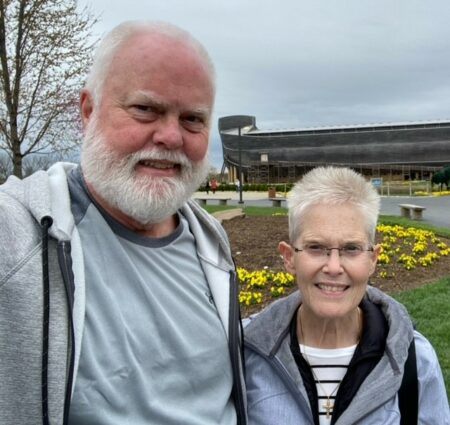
{"x": 298, "y": 63}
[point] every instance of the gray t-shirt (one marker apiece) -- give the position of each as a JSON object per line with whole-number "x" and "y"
{"x": 153, "y": 350}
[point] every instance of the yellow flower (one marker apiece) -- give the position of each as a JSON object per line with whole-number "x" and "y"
{"x": 283, "y": 279}
{"x": 277, "y": 291}
{"x": 383, "y": 259}
{"x": 248, "y": 298}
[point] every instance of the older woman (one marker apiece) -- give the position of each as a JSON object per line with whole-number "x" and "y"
{"x": 334, "y": 352}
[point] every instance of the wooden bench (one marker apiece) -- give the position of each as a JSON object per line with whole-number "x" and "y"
{"x": 405, "y": 211}
{"x": 222, "y": 201}
{"x": 276, "y": 202}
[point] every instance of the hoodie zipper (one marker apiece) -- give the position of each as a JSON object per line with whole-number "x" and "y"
{"x": 236, "y": 353}
{"x": 65, "y": 263}
{"x": 46, "y": 222}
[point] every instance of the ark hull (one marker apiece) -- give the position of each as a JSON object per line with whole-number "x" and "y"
{"x": 396, "y": 151}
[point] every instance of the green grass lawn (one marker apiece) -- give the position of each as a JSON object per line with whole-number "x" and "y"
{"x": 429, "y": 309}
{"x": 429, "y": 306}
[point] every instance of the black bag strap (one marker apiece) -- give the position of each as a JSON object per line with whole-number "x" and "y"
{"x": 408, "y": 394}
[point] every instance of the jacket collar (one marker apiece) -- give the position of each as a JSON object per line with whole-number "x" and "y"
{"x": 212, "y": 241}
{"x": 267, "y": 329}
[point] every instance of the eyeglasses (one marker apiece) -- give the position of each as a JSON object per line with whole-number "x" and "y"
{"x": 351, "y": 251}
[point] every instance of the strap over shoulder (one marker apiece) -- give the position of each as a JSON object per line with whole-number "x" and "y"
{"x": 408, "y": 394}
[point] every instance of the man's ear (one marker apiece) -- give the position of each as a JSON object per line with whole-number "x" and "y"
{"x": 287, "y": 253}
{"x": 86, "y": 106}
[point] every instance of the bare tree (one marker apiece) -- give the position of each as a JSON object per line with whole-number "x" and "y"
{"x": 5, "y": 167}
{"x": 45, "y": 48}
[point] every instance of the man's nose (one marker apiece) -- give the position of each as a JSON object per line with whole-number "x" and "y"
{"x": 168, "y": 133}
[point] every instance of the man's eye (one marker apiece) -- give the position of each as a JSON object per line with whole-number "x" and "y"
{"x": 194, "y": 119}
{"x": 194, "y": 122}
{"x": 142, "y": 108}
{"x": 144, "y": 112}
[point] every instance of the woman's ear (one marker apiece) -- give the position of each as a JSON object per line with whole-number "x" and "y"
{"x": 375, "y": 254}
{"x": 287, "y": 253}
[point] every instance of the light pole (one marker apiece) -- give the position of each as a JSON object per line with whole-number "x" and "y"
{"x": 240, "y": 167}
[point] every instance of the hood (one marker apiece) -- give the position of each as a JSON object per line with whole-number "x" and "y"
{"x": 45, "y": 194}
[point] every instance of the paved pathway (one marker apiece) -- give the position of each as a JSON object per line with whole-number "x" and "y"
{"x": 437, "y": 208}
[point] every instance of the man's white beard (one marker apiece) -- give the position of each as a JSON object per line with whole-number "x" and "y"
{"x": 146, "y": 199}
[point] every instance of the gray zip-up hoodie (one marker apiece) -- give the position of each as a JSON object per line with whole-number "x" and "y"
{"x": 276, "y": 393}
{"x": 24, "y": 207}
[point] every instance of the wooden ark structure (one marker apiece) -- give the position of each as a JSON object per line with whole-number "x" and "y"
{"x": 403, "y": 151}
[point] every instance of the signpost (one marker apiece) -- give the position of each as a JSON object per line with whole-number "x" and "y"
{"x": 377, "y": 182}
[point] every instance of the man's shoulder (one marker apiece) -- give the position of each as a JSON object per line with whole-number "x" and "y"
{"x": 19, "y": 233}
{"x": 13, "y": 206}
{"x": 31, "y": 192}
{"x": 24, "y": 202}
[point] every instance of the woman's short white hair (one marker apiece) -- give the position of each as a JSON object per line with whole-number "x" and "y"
{"x": 333, "y": 185}
{"x": 112, "y": 42}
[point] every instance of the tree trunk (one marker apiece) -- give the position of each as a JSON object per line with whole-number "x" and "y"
{"x": 17, "y": 164}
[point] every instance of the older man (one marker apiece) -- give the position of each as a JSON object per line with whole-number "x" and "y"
{"x": 118, "y": 297}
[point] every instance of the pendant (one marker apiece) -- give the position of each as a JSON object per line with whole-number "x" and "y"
{"x": 328, "y": 407}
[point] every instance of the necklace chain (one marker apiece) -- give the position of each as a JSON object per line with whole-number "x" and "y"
{"x": 329, "y": 405}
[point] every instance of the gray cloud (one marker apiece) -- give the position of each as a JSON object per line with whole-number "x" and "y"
{"x": 301, "y": 63}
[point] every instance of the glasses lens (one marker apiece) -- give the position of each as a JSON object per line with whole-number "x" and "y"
{"x": 351, "y": 250}
{"x": 316, "y": 250}
{"x": 347, "y": 251}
